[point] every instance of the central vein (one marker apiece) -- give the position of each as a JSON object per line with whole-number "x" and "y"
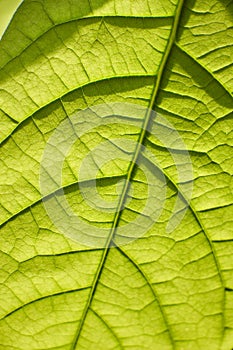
{"x": 132, "y": 165}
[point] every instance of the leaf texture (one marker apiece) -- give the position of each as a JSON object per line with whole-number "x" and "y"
{"x": 163, "y": 290}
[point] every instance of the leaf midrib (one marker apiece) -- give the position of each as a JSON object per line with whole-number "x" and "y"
{"x": 131, "y": 169}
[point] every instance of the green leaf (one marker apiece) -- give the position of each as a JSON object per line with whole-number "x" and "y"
{"x": 165, "y": 282}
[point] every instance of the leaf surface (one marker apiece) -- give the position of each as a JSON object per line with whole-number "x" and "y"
{"x": 163, "y": 290}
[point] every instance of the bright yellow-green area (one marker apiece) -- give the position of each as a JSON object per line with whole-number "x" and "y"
{"x": 7, "y": 10}
{"x": 165, "y": 290}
